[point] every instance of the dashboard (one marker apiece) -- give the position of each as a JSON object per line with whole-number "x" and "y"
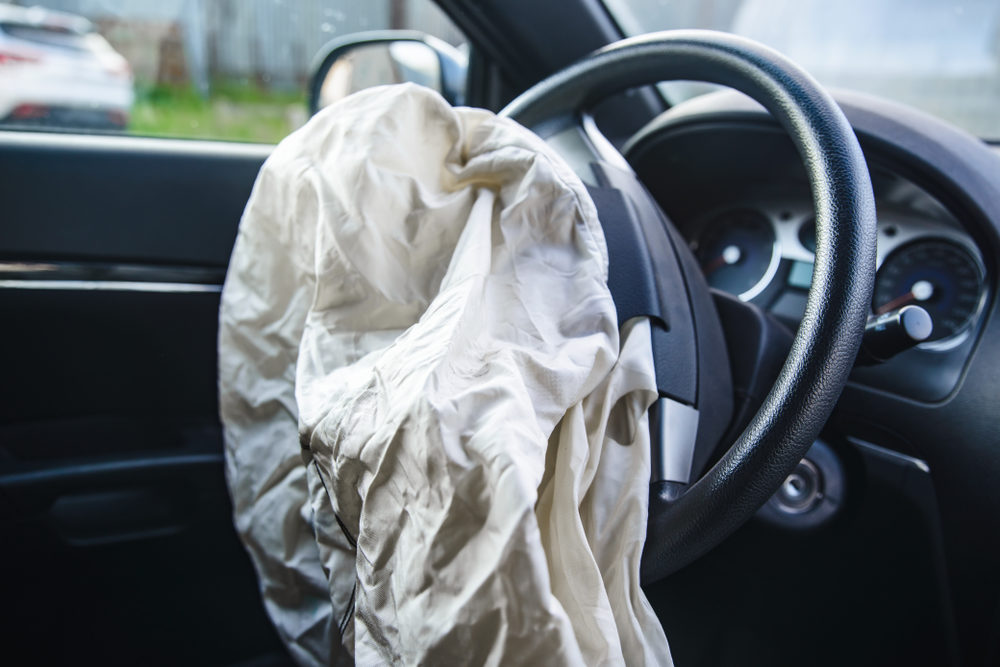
{"x": 732, "y": 182}
{"x": 762, "y": 251}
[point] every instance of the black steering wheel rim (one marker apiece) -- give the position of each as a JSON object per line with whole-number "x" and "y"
{"x": 682, "y": 528}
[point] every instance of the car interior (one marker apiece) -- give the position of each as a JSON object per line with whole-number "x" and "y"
{"x": 872, "y": 542}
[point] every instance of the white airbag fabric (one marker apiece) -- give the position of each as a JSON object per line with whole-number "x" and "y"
{"x": 436, "y": 439}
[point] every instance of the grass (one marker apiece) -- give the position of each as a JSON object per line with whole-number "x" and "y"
{"x": 233, "y": 111}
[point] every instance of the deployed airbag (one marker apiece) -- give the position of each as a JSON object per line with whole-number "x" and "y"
{"x": 436, "y": 436}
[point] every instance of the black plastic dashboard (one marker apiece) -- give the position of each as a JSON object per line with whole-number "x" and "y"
{"x": 732, "y": 182}
{"x": 727, "y": 176}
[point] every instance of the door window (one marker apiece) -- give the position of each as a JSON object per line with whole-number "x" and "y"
{"x": 209, "y": 69}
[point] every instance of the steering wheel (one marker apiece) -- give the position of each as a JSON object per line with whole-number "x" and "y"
{"x": 688, "y": 519}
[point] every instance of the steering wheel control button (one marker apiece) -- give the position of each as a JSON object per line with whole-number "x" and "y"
{"x": 811, "y": 494}
{"x": 890, "y": 333}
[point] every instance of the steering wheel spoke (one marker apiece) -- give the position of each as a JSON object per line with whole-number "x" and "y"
{"x": 673, "y": 449}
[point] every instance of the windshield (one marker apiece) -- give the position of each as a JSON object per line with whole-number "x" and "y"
{"x": 938, "y": 55}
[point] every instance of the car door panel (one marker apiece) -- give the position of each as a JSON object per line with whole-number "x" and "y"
{"x": 120, "y": 543}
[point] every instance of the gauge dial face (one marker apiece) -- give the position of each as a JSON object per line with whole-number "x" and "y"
{"x": 735, "y": 252}
{"x": 936, "y": 275}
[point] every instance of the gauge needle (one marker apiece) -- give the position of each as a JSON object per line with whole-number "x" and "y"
{"x": 921, "y": 291}
{"x": 730, "y": 255}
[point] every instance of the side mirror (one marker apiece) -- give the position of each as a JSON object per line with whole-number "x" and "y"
{"x": 366, "y": 59}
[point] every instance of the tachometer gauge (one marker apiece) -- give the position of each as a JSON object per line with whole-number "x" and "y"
{"x": 737, "y": 253}
{"x": 937, "y": 275}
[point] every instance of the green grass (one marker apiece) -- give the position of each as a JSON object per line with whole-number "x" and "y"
{"x": 233, "y": 111}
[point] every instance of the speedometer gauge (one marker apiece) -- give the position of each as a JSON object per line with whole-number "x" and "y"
{"x": 937, "y": 275}
{"x": 736, "y": 252}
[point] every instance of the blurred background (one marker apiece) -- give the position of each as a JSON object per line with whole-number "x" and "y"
{"x": 220, "y": 69}
{"x": 239, "y": 69}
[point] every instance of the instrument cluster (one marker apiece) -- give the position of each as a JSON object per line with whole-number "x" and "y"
{"x": 763, "y": 252}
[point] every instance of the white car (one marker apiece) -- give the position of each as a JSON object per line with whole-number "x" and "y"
{"x": 56, "y": 70}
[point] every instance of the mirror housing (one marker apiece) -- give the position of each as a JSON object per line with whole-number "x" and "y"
{"x": 365, "y": 59}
